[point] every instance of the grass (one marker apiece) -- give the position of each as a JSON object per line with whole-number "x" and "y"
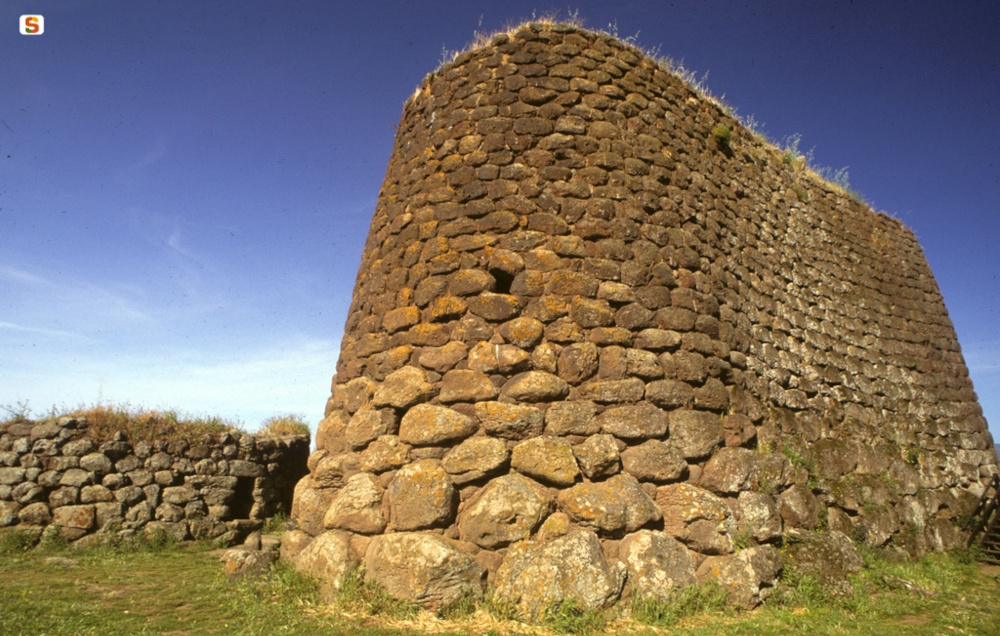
{"x": 148, "y": 424}
{"x": 694, "y": 600}
{"x": 148, "y": 587}
{"x": 723, "y": 135}
{"x": 283, "y": 425}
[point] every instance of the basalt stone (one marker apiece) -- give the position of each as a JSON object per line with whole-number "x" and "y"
{"x": 508, "y": 509}
{"x": 730, "y": 471}
{"x": 242, "y": 563}
{"x": 78, "y": 447}
{"x": 9, "y": 513}
{"x": 548, "y": 459}
{"x": 464, "y": 385}
{"x": 509, "y": 421}
{"x": 536, "y": 386}
{"x": 328, "y": 559}
{"x": 758, "y": 516}
{"x": 421, "y": 495}
{"x": 367, "y": 424}
{"x": 35, "y": 514}
{"x": 598, "y": 456}
{"x": 609, "y": 507}
{"x": 309, "y": 505}
{"x": 577, "y": 362}
{"x": 78, "y": 517}
{"x": 575, "y": 417}
{"x": 429, "y": 424}
{"x": 385, "y": 453}
{"x": 425, "y": 569}
{"x": 657, "y": 564}
{"x": 748, "y": 577}
{"x": 828, "y": 556}
{"x": 403, "y": 388}
{"x": 635, "y": 421}
{"x": 654, "y": 461}
{"x": 799, "y": 508}
{"x": 357, "y": 507}
{"x": 537, "y": 574}
{"x": 443, "y": 358}
{"x": 95, "y": 494}
{"x": 11, "y": 475}
{"x": 475, "y": 458}
{"x": 697, "y": 518}
{"x": 696, "y": 434}
{"x": 293, "y": 543}
{"x": 27, "y": 492}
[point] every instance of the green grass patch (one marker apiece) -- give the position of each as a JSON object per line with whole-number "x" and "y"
{"x": 148, "y": 587}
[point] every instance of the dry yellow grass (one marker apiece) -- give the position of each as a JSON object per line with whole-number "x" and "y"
{"x": 283, "y": 426}
{"x": 144, "y": 424}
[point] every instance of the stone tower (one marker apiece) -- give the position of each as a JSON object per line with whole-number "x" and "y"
{"x": 605, "y": 341}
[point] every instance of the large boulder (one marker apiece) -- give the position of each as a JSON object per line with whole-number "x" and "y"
{"x": 697, "y": 518}
{"x": 426, "y": 569}
{"x": 657, "y": 563}
{"x": 357, "y": 507}
{"x": 421, "y": 495}
{"x": 748, "y": 577}
{"x": 508, "y": 509}
{"x": 758, "y": 516}
{"x": 828, "y": 556}
{"x": 309, "y": 505}
{"x": 609, "y": 507}
{"x": 799, "y": 508}
{"x": 537, "y": 574}
{"x": 327, "y": 558}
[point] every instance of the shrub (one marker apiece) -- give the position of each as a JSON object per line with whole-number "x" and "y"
{"x": 284, "y": 425}
{"x": 723, "y": 135}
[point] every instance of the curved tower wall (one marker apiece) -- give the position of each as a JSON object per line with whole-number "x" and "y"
{"x": 570, "y": 258}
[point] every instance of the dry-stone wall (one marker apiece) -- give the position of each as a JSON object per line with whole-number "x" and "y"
{"x": 605, "y": 340}
{"x": 53, "y": 475}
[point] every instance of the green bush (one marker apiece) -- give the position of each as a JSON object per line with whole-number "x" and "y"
{"x": 723, "y": 135}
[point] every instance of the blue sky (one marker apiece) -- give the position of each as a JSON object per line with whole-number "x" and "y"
{"x": 185, "y": 186}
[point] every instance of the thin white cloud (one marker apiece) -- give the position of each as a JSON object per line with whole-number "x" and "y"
{"x": 87, "y": 299}
{"x": 54, "y": 333}
{"x": 23, "y": 277}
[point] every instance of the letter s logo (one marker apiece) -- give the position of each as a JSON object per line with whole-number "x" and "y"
{"x": 32, "y": 25}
